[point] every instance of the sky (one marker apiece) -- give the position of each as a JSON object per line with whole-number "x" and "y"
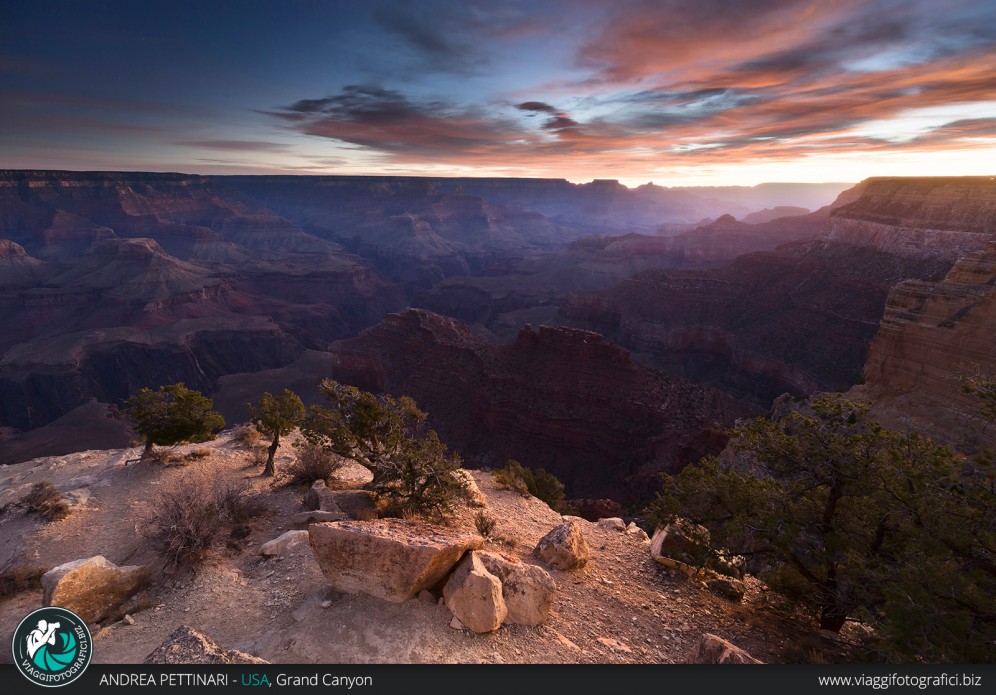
{"x": 707, "y": 92}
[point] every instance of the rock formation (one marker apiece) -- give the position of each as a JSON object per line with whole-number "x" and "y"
{"x": 799, "y": 319}
{"x": 528, "y": 590}
{"x": 932, "y": 335}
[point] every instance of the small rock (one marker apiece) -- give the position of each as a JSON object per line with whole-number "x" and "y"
{"x": 612, "y": 524}
{"x": 283, "y": 543}
{"x": 320, "y": 498}
{"x": 128, "y": 620}
{"x": 456, "y": 624}
{"x": 316, "y": 517}
{"x": 614, "y": 645}
{"x": 187, "y": 646}
{"x": 716, "y": 650}
{"x": 326, "y": 604}
{"x": 727, "y": 588}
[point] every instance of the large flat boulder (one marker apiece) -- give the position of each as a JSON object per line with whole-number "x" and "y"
{"x": 564, "y": 547}
{"x": 188, "y": 646}
{"x": 392, "y": 559}
{"x": 475, "y": 596}
{"x": 528, "y": 590}
{"x": 92, "y": 587}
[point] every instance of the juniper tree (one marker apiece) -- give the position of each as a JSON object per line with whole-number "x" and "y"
{"x": 172, "y": 414}
{"x": 857, "y": 520}
{"x": 275, "y": 417}
{"x": 412, "y": 469}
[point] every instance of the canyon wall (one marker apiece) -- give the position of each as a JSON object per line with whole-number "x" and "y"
{"x": 933, "y": 335}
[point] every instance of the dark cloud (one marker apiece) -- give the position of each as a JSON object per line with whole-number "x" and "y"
{"x": 560, "y": 122}
{"x": 535, "y": 106}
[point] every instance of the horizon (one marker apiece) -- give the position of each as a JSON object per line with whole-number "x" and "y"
{"x": 670, "y": 93}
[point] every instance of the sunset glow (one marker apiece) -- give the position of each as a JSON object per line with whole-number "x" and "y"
{"x": 678, "y": 93}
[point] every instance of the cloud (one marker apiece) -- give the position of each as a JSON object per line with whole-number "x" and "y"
{"x": 437, "y": 42}
{"x": 535, "y": 106}
{"x": 236, "y": 145}
{"x": 672, "y": 83}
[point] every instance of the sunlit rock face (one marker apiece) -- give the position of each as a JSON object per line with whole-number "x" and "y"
{"x": 934, "y": 334}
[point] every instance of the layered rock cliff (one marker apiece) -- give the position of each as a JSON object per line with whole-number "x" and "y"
{"x": 932, "y": 335}
{"x": 799, "y": 319}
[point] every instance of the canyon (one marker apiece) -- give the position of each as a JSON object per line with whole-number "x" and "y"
{"x": 603, "y": 333}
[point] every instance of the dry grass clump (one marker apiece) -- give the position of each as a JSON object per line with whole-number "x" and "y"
{"x": 187, "y": 520}
{"x": 245, "y": 434}
{"x": 46, "y": 501}
{"x": 314, "y": 463}
{"x": 256, "y": 456}
{"x": 485, "y": 524}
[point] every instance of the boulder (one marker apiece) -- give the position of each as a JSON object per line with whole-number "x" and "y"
{"x": 471, "y": 492}
{"x": 474, "y": 596}
{"x": 527, "y": 589}
{"x": 188, "y": 646}
{"x": 681, "y": 540}
{"x": 93, "y": 587}
{"x": 282, "y": 544}
{"x": 315, "y": 517}
{"x": 356, "y": 504}
{"x": 564, "y": 547}
{"x": 716, "y": 650}
{"x": 392, "y": 559}
{"x": 319, "y": 497}
{"x": 612, "y": 524}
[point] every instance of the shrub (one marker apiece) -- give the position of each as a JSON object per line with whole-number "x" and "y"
{"x": 540, "y": 484}
{"x": 485, "y": 524}
{"x": 314, "y": 463}
{"x": 412, "y": 470}
{"x": 46, "y": 501}
{"x": 257, "y": 456}
{"x": 185, "y": 522}
{"x": 245, "y": 434}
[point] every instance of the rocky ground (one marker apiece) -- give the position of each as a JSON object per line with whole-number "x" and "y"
{"x": 622, "y": 607}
